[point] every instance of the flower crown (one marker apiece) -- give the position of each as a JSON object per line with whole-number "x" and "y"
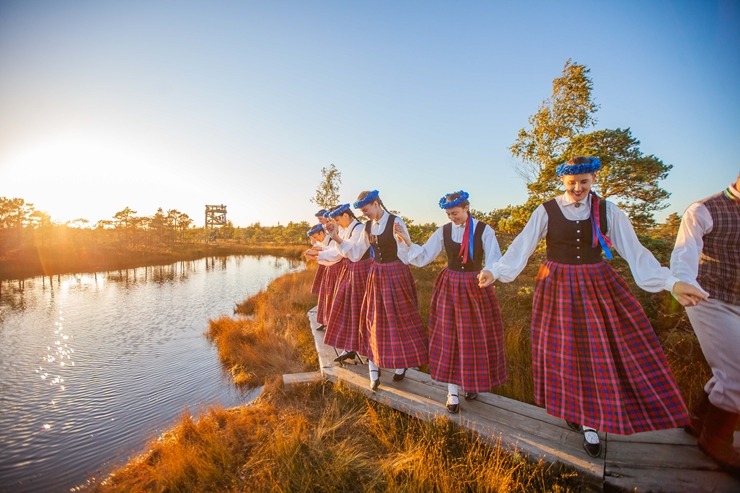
{"x": 316, "y": 228}
{"x": 325, "y": 214}
{"x": 454, "y": 203}
{"x": 338, "y": 211}
{"x": 369, "y": 198}
{"x": 321, "y": 213}
{"x": 591, "y": 166}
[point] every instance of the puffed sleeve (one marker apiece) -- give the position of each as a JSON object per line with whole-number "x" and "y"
{"x": 402, "y": 248}
{"x": 424, "y": 255}
{"x": 511, "y": 264}
{"x": 356, "y": 244}
{"x": 645, "y": 268}
{"x": 695, "y": 224}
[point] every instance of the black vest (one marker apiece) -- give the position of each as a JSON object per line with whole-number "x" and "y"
{"x": 569, "y": 242}
{"x": 384, "y": 245}
{"x": 454, "y": 260}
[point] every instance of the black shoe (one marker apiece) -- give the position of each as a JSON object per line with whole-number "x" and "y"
{"x": 321, "y": 328}
{"x": 374, "y": 383}
{"x": 573, "y": 425}
{"x": 350, "y": 355}
{"x": 452, "y": 408}
{"x": 397, "y": 377}
{"x": 471, "y": 396}
{"x": 591, "y": 442}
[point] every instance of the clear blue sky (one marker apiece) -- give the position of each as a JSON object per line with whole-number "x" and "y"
{"x": 147, "y": 104}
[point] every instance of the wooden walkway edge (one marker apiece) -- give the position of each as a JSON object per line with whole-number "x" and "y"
{"x": 660, "y": 461}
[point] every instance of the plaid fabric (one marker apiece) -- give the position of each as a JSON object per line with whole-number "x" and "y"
{"x": 326, "y": 292}
{"x": 466, "y": 334}
{"x": 343, "y": 326}
{"x": 320, "y": 270}
{"x": 595, "y": 357}
{"x": 391, "y": 332}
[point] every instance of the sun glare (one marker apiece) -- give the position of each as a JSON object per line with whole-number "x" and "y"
{"x": 77, "y": 175}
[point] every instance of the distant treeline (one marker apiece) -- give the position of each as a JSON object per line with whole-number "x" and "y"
{"x": 31, "y": 244}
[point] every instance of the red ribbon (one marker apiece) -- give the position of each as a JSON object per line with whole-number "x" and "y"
{"x": 465, "y": 242}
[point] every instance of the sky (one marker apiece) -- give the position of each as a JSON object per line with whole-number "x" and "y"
{"x": 178, "y": 104}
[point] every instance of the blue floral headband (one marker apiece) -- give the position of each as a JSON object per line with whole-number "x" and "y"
{"x": 369, "y": 198}
{"x": 338, "y": 211}
{"x": 316, "y": 228}
{"x": 591, "y": 166}
{"x": 325, "y": 215}
{"x": 454, "y": 203}
{"x": 321, "y": 213}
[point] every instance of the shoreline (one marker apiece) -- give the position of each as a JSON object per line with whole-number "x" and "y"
{"x": 20, "y": 265}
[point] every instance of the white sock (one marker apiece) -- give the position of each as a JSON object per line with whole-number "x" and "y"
{"x": 344, "y": 351}
{"x": 399, "y": 371}
{"x": 452, "y": 394}
{"x": 372, "y": 366}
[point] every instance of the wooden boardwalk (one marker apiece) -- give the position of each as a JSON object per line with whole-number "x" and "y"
{"x": 660, "y": 461}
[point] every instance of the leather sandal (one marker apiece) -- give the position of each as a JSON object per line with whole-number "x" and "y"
{"x": 471, "y": 396}
{"x": 350, "y": 355}
{"x": 397, "y": 377}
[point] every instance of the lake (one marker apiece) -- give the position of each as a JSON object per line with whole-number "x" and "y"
{"x": 92, "y": 366}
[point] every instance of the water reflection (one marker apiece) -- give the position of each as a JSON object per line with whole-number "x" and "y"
{"x": 93, "y": 365}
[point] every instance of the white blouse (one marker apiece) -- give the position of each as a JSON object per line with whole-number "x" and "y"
{"x": 352, "y": 246}
{"x": 423, "y": 255}
{"x": 695, "y": 224}
{"x": 645, "y": 268}
{"x": 377, "y": 227}
{"x": 330, "y": 254}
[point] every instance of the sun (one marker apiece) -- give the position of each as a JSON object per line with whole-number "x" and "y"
{"x": 75, "y": 175}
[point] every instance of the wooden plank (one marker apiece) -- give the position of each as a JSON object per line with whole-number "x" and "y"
{"x": 307, "y": 377}
{"x": 669, "y": 480}
{"x": 326, "y": 353}
{"x": 672, "y": 436}
{"x": 657, "y": 456}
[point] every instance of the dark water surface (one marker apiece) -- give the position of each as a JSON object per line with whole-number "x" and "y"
{"x": 94, "y": 365}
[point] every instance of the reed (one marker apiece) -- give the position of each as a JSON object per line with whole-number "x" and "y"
{"x": 325, "y": 437}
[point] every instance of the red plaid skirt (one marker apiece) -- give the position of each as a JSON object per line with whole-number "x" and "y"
{"x": 391, "y": 332}
{"x": 466, "y": 334}
{"x": 326, "y": 292}
{"x": 595, "y": 357}
{"x": 320, "y": 271}
{"x": 343, "y": 326}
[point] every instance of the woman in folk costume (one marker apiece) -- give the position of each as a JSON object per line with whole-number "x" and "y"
{"x": 466, "y": 334}
{"x": 342, "y": 328}
{"x": 391, "y": 332}
{"x": 595, "y": 357}
{"x": 323, "y": 242}
{"x": 707, "y": 255}
{"x": 328, "y": 257}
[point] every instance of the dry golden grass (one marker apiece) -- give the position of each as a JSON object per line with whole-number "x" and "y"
{"x": 271, "y": 335}
{"x": 324, "y": 437}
